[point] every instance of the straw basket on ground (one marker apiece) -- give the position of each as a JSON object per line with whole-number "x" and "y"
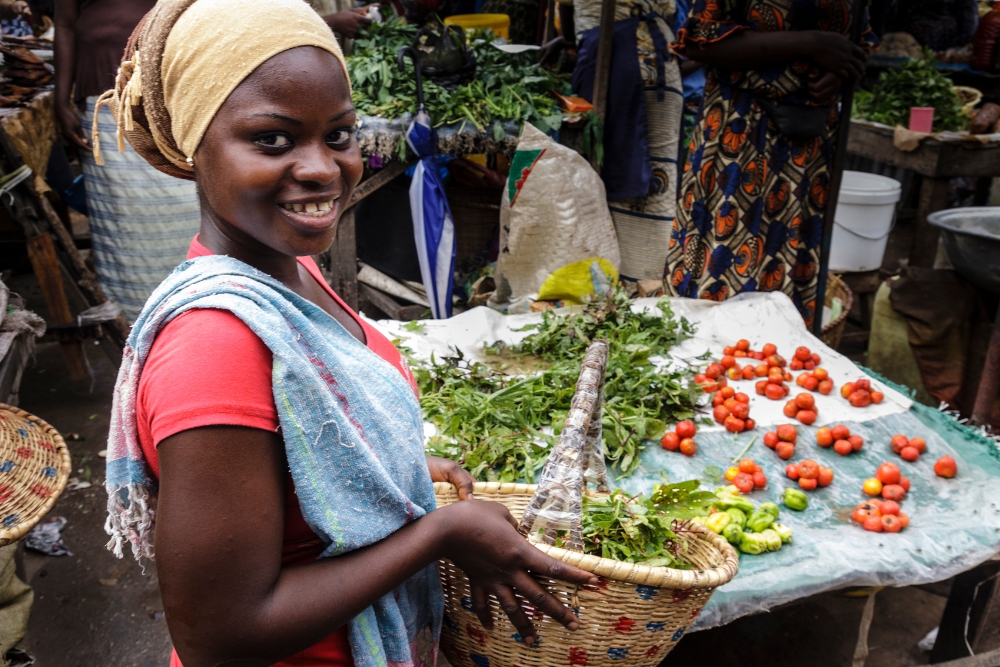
{"x": 34, "y": 468}
{"x": 634, "y": 616}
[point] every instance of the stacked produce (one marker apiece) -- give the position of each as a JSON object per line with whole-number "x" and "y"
{"x": 506, "y": 87}
{"x": 782, "y": 440}
{"x": 840, "y": 438}
{"x": 888, "y": 482}
{"x": 918, "y": 83}
{"x": 817, "y": 379}
{"x": 747, "y": 476}
{"x": 802, "y": 407}
{"x": 732, "y": 409}
{"x": 909, "y": 449}
{"x": 681, "y": 439}
{"x": 809, "y": 474}
{"x": 752, "y": 529}
{"x": 860, "y": 393}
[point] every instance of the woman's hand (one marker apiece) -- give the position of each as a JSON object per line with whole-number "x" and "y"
{"x": 72, "y": 129}
{"x": 823, "y": 86}
{"x": 348, "y": 23}
{"x": 838, "y": 55}
{"x": 482, "y": 539}
{"x": 443, "y": 470}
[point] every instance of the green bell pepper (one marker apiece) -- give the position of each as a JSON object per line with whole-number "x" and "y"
{"x": 795, "y": 499}
{"x": 773, "y": 539}
{"x": 739, "y": 516}
{"x": 753, "y": 544}
{"x": 771, "y": 509}
{"x": 733, "y": 533}
{"x": 726, "y": 501}
{"x": 759, "y": 521}
{"x": 718, "y": 522}
{"x": 784, "y": 531}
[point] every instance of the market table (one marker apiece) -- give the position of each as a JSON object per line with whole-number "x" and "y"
{"x": 955, "y": 524}
{"x": 938, "y": 160}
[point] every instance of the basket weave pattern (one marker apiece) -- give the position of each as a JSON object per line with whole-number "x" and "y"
{"x": 34, "y": 468}
{"x": 633, "y": 617}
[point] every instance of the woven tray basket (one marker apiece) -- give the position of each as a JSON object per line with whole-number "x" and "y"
{"x": 34, "y": 468}
{"x": 634, "y": 617}
{"x": 837, "y": 288}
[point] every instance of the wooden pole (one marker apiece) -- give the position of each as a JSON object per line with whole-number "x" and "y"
{"x": 605, "y": 44}
{"x": 836, "y": 175}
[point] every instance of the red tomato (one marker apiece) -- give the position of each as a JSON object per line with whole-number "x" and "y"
{"x": 857, "y": 442}
{"x": 860, "y": 399}
{"x": 807, "y": 484}
{"x": 688, "y": 447}
{"x": 904, "y": 482}
{"x": 771, "y": 439}
{"x": 946, "y": 467}
{"x": 820, "y": 374}
{"x": 728, "y": 392}
{"x": 759, "y": 480}
{"x": 740, "y": 354}
{"x": 864, "y": 385}
{"x": 775, "y": 374}
{"x": 748, "y": 373}
{"x": 761, "y": 387}
{"x": 878, "y": 397}
{"x": 743, "y": 344}
{"x": 670, "y": 442}
{"x": 825, "y": 387}
{"x": 904, "y": 520}
{"x": 803, "y": 353}
{"x": 728, "y": 361}
{"x": 795, "y": 365}
{"x": 809, "y": 365}
{"x": 787, "y": 432}
{"x": 842, "y": 447}
{"x": 889, "y": 507}
{"x": 891, "y": 524}
{"x": 717, "y": 400}
{"x": 686, "y": 429}
{"x": 825, "y": 476}
{"x": 769, "y": 349}
{"x": 888, "y": 473}
{"x": 740, "y": 410}
{"x": 759, "y": 356}
{"x": 743, "y": 482}
{"x": 729, "y": 403}
{"x": 774, "y": 391}
{"x": 792, "y": 471}
{"x": 735, "y": 373}
{"x": 734, "y": 424}
{"x": 809, "y": 469}
{"x": 840, "y": 432}
{"x": 810, "y": 384}
{"x": 847, "y": 389}
{"x": 720, "y": 413}
{"x": 824, "y": 437}
{"x": 805, "y": 401}
{"x": 863, "y": 511}
{"x": 815, "y": 358}
{"x": 785, "y": 450}
{"x": 801, "y": 379}
{"x": 919, "y": 444}
{"x": 874, "y": 524}
{"x": 747, "y": 466}
{"x": 728, "y": 350}
{"x": 714, "y": 370}
{"x": 775, "y": 361}
{"x": 893, "y": 492}
{"x": 910, "y": 454}
{"x": 898, "y": 442}
{"x": 807, "y": 417}
{"x": 790, "y": 410}
{"x": 760, "y": 370}
{"x": 742, "y": 398}
{"x": 749, "y": 424}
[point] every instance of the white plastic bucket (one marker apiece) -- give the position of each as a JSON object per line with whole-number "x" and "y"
{"x": 866, "y": 211}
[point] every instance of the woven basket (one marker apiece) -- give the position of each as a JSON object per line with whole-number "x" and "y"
{"x": 633, "y": 617}
{"x": 34, "y": 468}
{"x": 970, "y": 97}
{"x": 837, "y": 288}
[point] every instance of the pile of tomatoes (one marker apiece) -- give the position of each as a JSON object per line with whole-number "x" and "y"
{"x": 880, "y": 516}
{"x": 681, "y": 439}
{"x": 909, "y": 449}
{"x": 888, "y": 482}
{"x": 860, "y": 394}
{"x": 815, "y": 380}
{"x": 802, "y": 407}
{"x": 732, "y": 409}
{"x": 809, "y": 475}
{"x": 774, "y": 384}
{"x": 840, "y": 438}
{"x": 804, "y": 359}
{"x": 782, "y": 441}
{"x": 746, "y": 476}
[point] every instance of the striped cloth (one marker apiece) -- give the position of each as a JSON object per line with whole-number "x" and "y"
{"x": 141, "y": 221}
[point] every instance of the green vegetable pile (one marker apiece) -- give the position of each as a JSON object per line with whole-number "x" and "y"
{"x": 753, "y": 530}
{"x": 916, "y": 84}
{"x": 638, "y": 529}
{"x": 500, "y": 427}
{"x": 506, "y": 86}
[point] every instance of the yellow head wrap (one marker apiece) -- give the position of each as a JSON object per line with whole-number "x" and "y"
{"x": 187, "y": 56}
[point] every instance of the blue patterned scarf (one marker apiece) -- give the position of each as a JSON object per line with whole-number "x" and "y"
{"x": 353, "y": 437}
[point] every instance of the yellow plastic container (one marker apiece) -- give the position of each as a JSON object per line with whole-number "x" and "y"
{"x": 498, "y": 23}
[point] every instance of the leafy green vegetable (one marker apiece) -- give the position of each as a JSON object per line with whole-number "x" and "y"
{"x": 640, "y": 529}
{"x": 916, "y": 84}
{"x": 501, "y": 427}
{"x": 506, "y": 86}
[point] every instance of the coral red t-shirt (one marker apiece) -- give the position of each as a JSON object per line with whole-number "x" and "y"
{"x": 208, "y": 368}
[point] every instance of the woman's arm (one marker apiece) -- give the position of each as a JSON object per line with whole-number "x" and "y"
{"x": 219, "y": 536}
{"x": 67, "y": 12}
{"x": 748, "y": 50}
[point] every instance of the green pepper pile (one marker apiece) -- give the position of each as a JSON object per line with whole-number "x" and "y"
{"x": 506, "y": 86}
{"x": 501, "y": 427}
{"x": 753, "y": 530}
{"x": 918, "y": 83}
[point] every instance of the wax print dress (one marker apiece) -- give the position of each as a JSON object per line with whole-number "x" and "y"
{"x": 750, "y": 215}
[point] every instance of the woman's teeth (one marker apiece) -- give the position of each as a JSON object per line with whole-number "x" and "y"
{"x": 316, "y": 209}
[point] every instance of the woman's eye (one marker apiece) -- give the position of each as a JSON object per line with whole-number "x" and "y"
{"x": 274, "y": 141}
{"x": 338, "y": 137}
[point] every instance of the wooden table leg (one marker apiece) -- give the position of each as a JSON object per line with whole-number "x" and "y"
{"x": 42, "y": 254}
{"x": 933, "y": 197}
{"x": 344, "y": 260}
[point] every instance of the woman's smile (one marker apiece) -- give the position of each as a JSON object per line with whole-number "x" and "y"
{"x": 313, "y": 214}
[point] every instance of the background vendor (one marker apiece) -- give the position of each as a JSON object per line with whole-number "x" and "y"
{"x": 642, "y": 126}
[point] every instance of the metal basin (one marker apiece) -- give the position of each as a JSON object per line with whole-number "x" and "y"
{"x": 972, "y": 239}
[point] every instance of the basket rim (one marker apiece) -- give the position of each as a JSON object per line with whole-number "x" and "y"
{"x": 9, "y": 536}
{"x": 635, "y": 573}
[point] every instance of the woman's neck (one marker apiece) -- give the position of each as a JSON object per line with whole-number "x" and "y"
{"x": 224, "y": 239}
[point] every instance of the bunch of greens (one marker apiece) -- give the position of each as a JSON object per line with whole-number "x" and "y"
{"x": 506, "y": 86}
{"x": 916, "y": 84}
{"x": 642, "y": 530}
{"x": 498, "y": 426}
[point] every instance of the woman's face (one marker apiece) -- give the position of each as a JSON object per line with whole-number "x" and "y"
{"x": 280, "y": 161}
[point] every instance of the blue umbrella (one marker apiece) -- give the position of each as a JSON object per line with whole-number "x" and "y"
{"x": 433, "y": 226}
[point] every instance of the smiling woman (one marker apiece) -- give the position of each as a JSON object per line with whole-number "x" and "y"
{"x": 268, "y": 437}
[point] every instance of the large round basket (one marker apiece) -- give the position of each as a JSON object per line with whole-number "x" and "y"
{"x": 633, "y": 617}
{"x": 836, "y": 288}
{"x": 34, "y": 468}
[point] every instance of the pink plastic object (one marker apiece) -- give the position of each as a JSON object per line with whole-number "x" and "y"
{"x": 921, "y": 119}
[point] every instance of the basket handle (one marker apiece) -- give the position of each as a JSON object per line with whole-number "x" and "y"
{"x": 557, "y": 505}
